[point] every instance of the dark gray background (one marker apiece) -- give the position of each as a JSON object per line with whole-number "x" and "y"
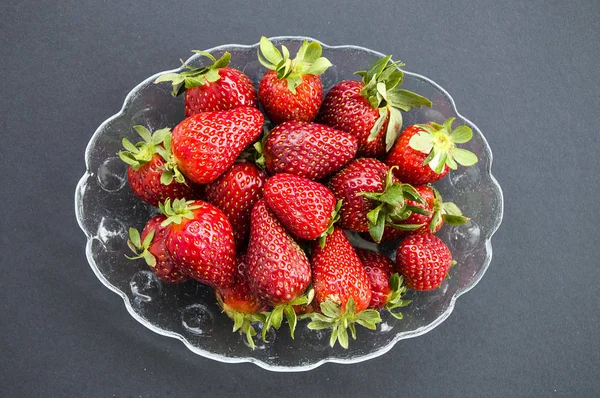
{"x": 525, "y": 72}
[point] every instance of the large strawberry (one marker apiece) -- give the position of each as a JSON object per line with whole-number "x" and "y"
{"x": 207, "y": 144}
{"x": 306, "y": 208}
{"x": 278, "y": 271}
{"x": 370, "y": 109}
{"x": 151, "y": 247}
{"x": 386, "y": 285}
{"x": 291, "y": 89}
{"x": 152, "y": 174}
{"x": 214, "y": 87}
{"x": 241, "y": 305}
{"x": 424, "y": 260}
{"x": 200, "y": 240}
{"x": 371, "y": 197}
{"x": 426, "y": 152}
{"x": 342, "y": 289}
{"x": 308, "y": 150}
{"x": 235, "y": 192}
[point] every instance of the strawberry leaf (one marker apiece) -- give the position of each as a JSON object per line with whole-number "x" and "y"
{"x": 464, "y": 157}
{"x": 394, "y": 128}
{"x": 461, "y": 134}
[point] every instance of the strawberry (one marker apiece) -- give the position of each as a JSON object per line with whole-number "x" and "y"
{"x": 371, "y": 197}
{"x": 207, "y": 144}
{"x": 370, "y": 109}
{"x": 151, "y": 247}
{"x": 306, "y": 208}
{"x": 200, "y": 240}
{"x": 386, "y": 285}
{"x": 278, "y": 271}
{"x": 424, "y": 260}
{"x": 152, "y": 174}
{"x": 308, "y": 150}
{"x": 291, "y": 89}
{"x": 235, "y": 193}
{"x": 342, "y": 289}
{"x": 241, "y": 305}
{"x": 426, "y": 152}
{"x": 210, "y": 88}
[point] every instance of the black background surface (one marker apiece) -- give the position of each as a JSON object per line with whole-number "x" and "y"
{"x": 525, "y": 72}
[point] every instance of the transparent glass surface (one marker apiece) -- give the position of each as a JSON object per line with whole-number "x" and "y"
{"x": 105, "y": 208}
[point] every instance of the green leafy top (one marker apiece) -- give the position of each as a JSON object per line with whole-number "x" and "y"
{"x": 275, "y": 317}
{"x": 177, "y": 211}
{"x": 335, "y": 217}
{"x": 242, "y": 321}
{"x": 140, "y": 248}
{"x": 194, "y": 77}
{"x": 398, "y": 290}
{"x": 308, "y": 61}
{"x": 447, "y": 211}
{"x": 382, "y": 82}
{"x": 439, "y": 143}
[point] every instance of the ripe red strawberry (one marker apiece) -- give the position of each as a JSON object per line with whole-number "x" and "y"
{"x": 241, "y": 305}
{"x": 306, "y": 208}
{"x": 214, "y": 87}
{"x": 200, "y": 240}
{"x": 424, "y": 260}
{"x": 342, "y": 289}
{"x": 386, "y": 285}
{"x": 235, "y": 193}
{"x": 151, "y": 172}
{"x": 308, "y": 150}
{"x": 291, "y": 89}
{"x": 151, "y": 247}
{"x": 426, "y": 152}
{"x": 371, "y": 197}
{"x": 207, "y": 144}
{"x": 370, "y": 109}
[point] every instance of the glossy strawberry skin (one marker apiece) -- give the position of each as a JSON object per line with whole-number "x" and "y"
{"x": 281, "y": 104}
{"x": 239, "y": 297}
{"x": 278, "y": 270}
{"x": 235, "y": 193}
{"x": 362, "y": 175}
{"x": 203, "y": 246}
{"x": 379, "y": 270}
{"x": 207, "y": 144}
{"x": 145, "y": 183}
{"x": 308, "y": 150}
{"x": 424, "y": 260}
{"x": 411, "y": 169}
{"x": 165, "y": 269}
{"x": 345, "y": 109}
{"x": 303, "y": 206}
{"x": 232, "y": 90}
{"x": 338, "y": 273}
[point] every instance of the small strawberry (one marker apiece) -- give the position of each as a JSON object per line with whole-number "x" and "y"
{"x": 342, "y": 289}
{"x": 151, "y": 247}
{"x": 210, "y": 88}
{"x": 306, "y": 208}
{"x": 371, "y": 197}
{"x": 424, "y": 260}
{"x": 235, "y": 193}
{"x": 200, "y": 240}
{"x": 386, "y": 285}
{"x": 207, "y": 144}
{"x": 370, "y": 109}
{"x": 426, "y": 152}
{"x": 278, "y": 271}
{"x": 241, "y": 305}
{"x": 152, "y": 174}
{"x": 291, "y": 89}
{"x": 308, "y": 150}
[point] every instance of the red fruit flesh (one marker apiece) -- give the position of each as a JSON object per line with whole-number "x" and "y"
{"x": 239, "y": 297}
{"x": 379, "y": 269}
{"x": 165, "y": 269}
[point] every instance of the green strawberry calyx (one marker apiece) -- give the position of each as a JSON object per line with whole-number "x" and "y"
{"x": 340, "y": 321}
{"x": 447, "y": 212}
{"x": 439, "y": 141}
{"x": 193, "y": 76}
{"x": 381, "y": 89}
{"x": 398, "y": 290}
{"x": 392, "y": 207}
{"x": 275, "y": 317}
{"x": 177, "y": 211}
{"x": 242, "y": 321}
{"x": 335, "y": 217}
{"x": 140, "y": 248}
{"x": 308, "y": 61}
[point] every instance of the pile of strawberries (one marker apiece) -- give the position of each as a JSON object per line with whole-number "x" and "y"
{"x": 261, "y": 216}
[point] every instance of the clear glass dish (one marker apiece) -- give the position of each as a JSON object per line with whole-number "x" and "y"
{"x": 105, "y": 208}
